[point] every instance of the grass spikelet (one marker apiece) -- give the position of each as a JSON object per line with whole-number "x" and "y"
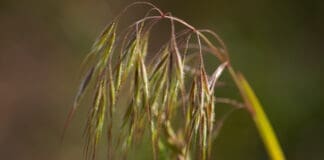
{"x": 102, "y": 40}
{"x": 215, "y": 76}
{"x": 96, "y": 120}
{"x": 83, "y": 86}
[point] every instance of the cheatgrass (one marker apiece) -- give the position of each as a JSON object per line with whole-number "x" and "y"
{"x": 167, "y": 94}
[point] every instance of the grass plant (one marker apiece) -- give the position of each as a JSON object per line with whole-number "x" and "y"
{"x": 172, "y": 97}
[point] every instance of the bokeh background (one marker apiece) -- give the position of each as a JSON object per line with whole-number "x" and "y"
{"x": 277, "y": 44}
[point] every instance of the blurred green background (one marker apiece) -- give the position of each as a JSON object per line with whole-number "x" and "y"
{"x": 277, "y": 44}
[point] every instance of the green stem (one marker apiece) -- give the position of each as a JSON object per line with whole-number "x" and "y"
{"x": 260, "y": 118}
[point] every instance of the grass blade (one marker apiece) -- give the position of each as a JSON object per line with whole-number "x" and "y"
{"x": 264, "y": 127}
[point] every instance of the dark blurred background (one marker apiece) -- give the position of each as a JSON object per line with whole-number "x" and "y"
{"x": 277, "y": 44}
